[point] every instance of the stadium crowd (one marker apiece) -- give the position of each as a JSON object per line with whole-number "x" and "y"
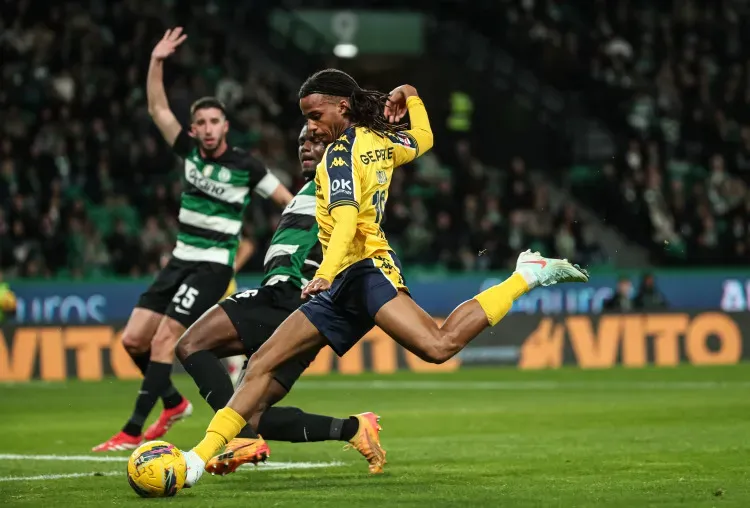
{"x": 87, "y": 186}
{"x": 672, "y": 80}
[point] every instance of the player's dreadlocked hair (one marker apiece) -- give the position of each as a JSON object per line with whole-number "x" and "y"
{"x": 365, "y": 106}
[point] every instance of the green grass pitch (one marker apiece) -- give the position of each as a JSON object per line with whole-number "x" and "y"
{"x": 478, "y": 437}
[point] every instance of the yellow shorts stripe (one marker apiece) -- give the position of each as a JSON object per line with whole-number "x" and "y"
{"x": 384, "y": 262}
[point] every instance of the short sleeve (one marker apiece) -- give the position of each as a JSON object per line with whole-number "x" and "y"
{"x": 261, "y": 180}
{"x": 183, "y": 144}
{"x": 405, "y": 148}
{"x": 343, "y": 187}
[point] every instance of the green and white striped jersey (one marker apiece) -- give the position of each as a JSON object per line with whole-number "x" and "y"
{"x": 214, "y": 197}
{"x": 295, "y": 253}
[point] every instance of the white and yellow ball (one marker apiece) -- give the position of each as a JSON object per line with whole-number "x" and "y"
{"x": 156, "y": 469}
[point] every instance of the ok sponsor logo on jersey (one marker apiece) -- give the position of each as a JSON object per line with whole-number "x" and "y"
{"x": 339, "y": 148}
{"x": 341, "y": 187}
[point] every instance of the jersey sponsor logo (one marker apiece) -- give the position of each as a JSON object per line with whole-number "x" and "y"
{"x": 339, "y": 148}
{"x": 343, "y": 138}
{"x": 341, "y": 186}
{"x": 208, "y": 169}
{"x": 224, "y": 175}
{"x": 381, "y": 154}
{"x": 338, "y": 162}
{"x": 381, "y": 176}
{"x": 206, "y": 185}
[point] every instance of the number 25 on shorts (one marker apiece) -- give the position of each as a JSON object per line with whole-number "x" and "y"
{"x": 185, "y": 296}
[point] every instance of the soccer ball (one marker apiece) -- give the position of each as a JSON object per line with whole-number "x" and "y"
{"x": 156, "y": 469}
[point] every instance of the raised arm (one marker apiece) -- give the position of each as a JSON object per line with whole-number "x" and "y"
{"x": 420, "y": 123}
{"x": 410, "y": 144}
{"x": 158, "y": 106}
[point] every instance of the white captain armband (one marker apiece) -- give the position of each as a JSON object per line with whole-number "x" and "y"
{"x": 267, "y": 185}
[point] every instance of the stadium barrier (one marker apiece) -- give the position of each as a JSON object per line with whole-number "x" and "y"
{"x": 54, "y": 353}
{"x": 607, "y": 340}
{"x": 111, "y": 301}
{"x": 57, "y": 353}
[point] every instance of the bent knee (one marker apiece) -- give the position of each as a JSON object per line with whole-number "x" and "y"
{"x": 189, "y": 343}
{"x": 438, "y": 348}
{"x": 257, "y": 366}
{"x": 135, "y": 344}
{"x": 184, "y": 348}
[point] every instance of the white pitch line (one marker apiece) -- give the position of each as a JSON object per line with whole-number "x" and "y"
{"x": 65, "y": 458}
{"x": 593, "y": 385}
{"x": 122, "y": 458}
{"x": 267, "y": 466}
{"x": 57, "y": 476}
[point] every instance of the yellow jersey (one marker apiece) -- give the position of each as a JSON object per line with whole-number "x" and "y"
{"x": 356, "y": 170}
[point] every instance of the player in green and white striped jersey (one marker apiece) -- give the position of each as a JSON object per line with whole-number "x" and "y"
{"x": 218, "y": 182}
{"x": 244, "y": 321}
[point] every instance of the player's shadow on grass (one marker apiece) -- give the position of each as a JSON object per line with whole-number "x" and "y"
{"x": 331, "y": 480}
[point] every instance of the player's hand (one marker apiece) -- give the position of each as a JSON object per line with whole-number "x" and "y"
{"x": 168, "y": 44}
{"x": 395, "y": 106}
{"x": 314, "y": 287}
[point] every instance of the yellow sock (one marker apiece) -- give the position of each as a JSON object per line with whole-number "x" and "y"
{"x": 224, "y": 427}
{"x": 497, "y": 300}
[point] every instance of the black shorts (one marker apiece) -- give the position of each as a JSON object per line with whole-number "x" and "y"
{"x": 256, "y": 313}
{"x": 184, "y": 290}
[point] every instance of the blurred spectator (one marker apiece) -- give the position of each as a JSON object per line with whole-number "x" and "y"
{"x": 7, "y": 301}
{"x": 622, "y": 300}
{"x": 672, "y": 81}
{"x": 88, "y": 187}
{"x": 649, "y": 297}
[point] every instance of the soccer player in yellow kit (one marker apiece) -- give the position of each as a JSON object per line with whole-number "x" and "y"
{"x": 359, "y": 283}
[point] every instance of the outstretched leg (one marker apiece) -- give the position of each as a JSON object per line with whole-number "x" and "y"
{"x": 400, "y": 317}
{"x": 415, "y": 330}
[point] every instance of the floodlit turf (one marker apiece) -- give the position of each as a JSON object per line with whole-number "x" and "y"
{"x": 490, "y": 437}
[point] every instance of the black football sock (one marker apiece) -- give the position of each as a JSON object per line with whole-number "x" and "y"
{"x": 141, "y": 360}
{"x": 171, "y": 397}
{"x": 294, "y": 425}
{"x": 211, "y": 377}
{"x": 155, "y": 382}
{"x": 214, "y": 383}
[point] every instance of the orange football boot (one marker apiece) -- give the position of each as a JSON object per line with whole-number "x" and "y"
{"x": 367, "y": 441}
{"x": 237, "y": 452}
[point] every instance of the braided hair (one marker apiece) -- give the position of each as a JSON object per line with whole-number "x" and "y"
{"x": 365, "y": 106}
